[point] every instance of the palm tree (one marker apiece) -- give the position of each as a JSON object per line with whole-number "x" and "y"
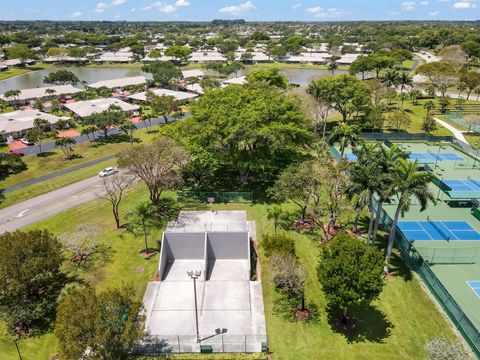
{"x": 443, "y": 87}
{"x": 430, "y": 90}
{"x": 390, "y": 78}
{"x": 141, "y": 219}
{"x": 66, "y": 143}
{"x": 346, "y": 135}
{"x": 364, "y": 182}
{"x": 50, "y": 92}
{"x": 407, "y": 182}
{"x": 388, "y": 158}
{"x": 275, "y": 214}
{"x": 414, "y": 95}
{"x": 12, "y": 94}
{"x": 477, "y": 92}
{"x": 461, "y": 86}
{"x": 403, "y": 81}
{"x": 429, "y": 106}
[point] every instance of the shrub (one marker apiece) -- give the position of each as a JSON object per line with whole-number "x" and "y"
{"x": 281, "y": 243}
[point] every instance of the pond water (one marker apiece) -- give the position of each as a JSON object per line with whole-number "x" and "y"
{"x": 90, "y": 75}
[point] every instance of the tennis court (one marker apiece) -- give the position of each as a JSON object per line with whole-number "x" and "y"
{"x": 350, "y": 157}
{"x": 475, "y": 286}
{"x": 432, "y": 157}
{"x": 438, "y": 230}
{"x": 463, "y": 185}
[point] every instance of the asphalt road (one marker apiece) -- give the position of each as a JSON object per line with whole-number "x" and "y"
{"x": 41, "y": 207}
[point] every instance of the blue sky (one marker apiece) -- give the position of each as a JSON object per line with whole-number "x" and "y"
{"x": 253, "y": 10}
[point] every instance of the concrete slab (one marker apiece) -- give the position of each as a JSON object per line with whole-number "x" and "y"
{"x": 195, "y": 221}
{"x": 177, "y": 270}
{"x": 228, "y": 270}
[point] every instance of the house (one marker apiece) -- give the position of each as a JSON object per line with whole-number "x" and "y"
{"x": 116, "y": 84}
{"x": 178, "y": 95}
{"x": 235, "y": 81}
{"x": 16, "y": 124}
{"x": 217, "y": 247}
{"x": 206, "y": 56}
{"x": 27, "y": 96}
{"x": 124, "y": 55}
{"x": 347, "y": 59}
{"x": 83, "y": 109}
{"x": 65, "y": 59}
{"x": 192, "y": 74}
{"x": 308, "y": 58}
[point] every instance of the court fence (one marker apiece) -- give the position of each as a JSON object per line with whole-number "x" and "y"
{"x": 217, "y": 197}
{"x": 218, "y": 343}
{"x": 417, "y": 263}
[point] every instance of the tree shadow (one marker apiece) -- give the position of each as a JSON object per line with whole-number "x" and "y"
{"x": 45, "y": 154}
{"x": 371, "y": 324}
{"x": 286, "y": 306}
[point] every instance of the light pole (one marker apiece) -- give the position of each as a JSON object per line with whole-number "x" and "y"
{"x": 195, "y": 275}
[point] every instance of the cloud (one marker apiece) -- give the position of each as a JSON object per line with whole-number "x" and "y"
{"x": 408, "y": 5}
{"x": 76, "y": 14}
{"x": 319, "y": 12}
{"x": 424, "y": 2}
{"x": 464, "y": 5}
{"x": 296, "y": 6}
{"x": 182, "y": 3}
{"x": 102, "y": 6}
{"x": 238, "y": 9}
{"x": 434, "y": 13}
{"x": 165, "y": 7}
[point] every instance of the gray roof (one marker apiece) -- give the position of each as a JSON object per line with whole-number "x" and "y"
{"x": 38, "y": 93}
{"x": 179, "y": 95}
{"x": 89, "y": 107}
{"x": 23, "y": 120}
{"x": 118, "y": 83}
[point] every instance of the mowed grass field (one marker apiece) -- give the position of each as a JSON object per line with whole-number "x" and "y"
{"x": 397, "y": 326}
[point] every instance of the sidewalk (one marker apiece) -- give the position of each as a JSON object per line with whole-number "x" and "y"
{"x": 457, "y": 133}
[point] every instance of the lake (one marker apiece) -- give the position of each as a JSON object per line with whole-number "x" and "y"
{"x": 90, "y": 75}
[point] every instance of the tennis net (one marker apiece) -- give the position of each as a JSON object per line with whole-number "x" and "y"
{"x": 475, "y": 181}
{"x": 438, "y": 228}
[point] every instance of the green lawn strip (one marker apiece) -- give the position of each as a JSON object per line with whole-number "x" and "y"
{"x": 43, "y": 165}
{"x": 13, "y": 71}
{"x": 30, "y": 191}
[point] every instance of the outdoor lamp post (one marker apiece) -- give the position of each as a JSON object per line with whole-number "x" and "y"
{"x": 195, "y": 275}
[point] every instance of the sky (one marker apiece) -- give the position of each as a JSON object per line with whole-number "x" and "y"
{"x": 250, "y": 10}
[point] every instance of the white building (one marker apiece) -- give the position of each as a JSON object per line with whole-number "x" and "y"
{"x": 178, "y": 95}
{"x": 124, "y": 55}
{"x": 120, "y": 83}
{"x": 43, "y": 93}
{"x": 206, "y": 56}
{"x": 192, "y": 74}
{"x": 83, "y": 109}
{"x": 17, "y": 123}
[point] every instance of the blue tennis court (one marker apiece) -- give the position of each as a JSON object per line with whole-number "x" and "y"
{"x": 475, "y": 286}
{"x": 438, "y": 230}
{"x": 350, "y": 157}
{"x": 430, "y": 157}
{"x": 463, "y": 185}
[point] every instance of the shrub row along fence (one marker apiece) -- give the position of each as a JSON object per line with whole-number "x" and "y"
{"x": 217, "y": 197}
{"x": 418, "y": 264}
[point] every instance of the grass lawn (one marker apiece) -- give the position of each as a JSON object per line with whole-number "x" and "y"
{"x": 396, "y": 327}
{"x": 54, "y": 161}
{"x": 13, "y": 71}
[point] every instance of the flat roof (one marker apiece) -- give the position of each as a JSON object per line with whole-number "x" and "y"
{"x": 38, "y": 93}
{"x": 117, "y": 83}
{"x": 239, "y": 81}
{"x": 192, "y": 73}
{"x": 179, "y": 95}
{"x": 89, "y": 107}
{"x": 23, "y": 120}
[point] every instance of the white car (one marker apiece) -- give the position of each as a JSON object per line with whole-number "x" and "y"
{"x": 26, "y": 141}
{"x": 108, "y": 171}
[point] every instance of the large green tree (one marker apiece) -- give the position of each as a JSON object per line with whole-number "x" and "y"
{"x": 61, "y": 77}
{"x": 31, "y": 278}
{"x": 251, "y": 132}
{"x": 270, "y": 76}
{"x": 345, "y": 92}
{"x": 165, "y": 74}
{"x": 350, "y": 273}
{"x": 21, "y": 52}
{"x": 107, "y": 324}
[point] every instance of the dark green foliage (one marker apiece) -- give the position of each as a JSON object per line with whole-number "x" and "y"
{"x": 61, "y": 77}
{"x": 164, "y": 73}
{"x": 11, "y": 164}
{"x": 31, "y": 278}
{"x": 107, "y": 324}
{"x": 279, "y": 244}
{"x": 241, "y": 136}
{"x": 350, "y": 272}
{"x": 270, "y": 77}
